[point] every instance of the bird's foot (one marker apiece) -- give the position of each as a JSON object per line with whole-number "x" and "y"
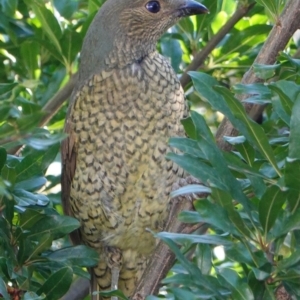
{"x": 114, "y": 262}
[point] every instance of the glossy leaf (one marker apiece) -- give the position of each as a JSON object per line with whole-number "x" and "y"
{"x": 270, "y": 206}
{"x": 57, "y": 284}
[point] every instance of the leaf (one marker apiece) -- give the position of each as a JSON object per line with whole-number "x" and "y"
{"x": 292, "y": 260}
{"x": 240, "y": 290}
{"x": 3, "y": 156}
{"x": 57, "y": 284}
{"x": 44, "y": 243}
{"x": 56, "y": 225}
{"x": 182, "y": 238}
{"x": 248, "y": 127}
{"x": 116, "y": 293}
{"x": 32, "y": 296}
{"x": 225, "y": 199}
{"x": 190, "y": 189}
{"x": 7, "y": 87}
{"x": 194, "y": 272}
{"x": 186, "y": 145}
{"x": 222, "y": 100}
{"x": 291, "y": 223}
{"x": 3, "y": 290}
{"x": 9, "y": 7}
{"x": 31, "y": 184}
{"x": 171, "y": 48}
{"x": 189, "y": 217}
{"x": 214, "y": 215}
{"x": 48, "y": 21}
{"x": 29, "y": 218}
{"x": 270, "y": 205}
{"x": 66, "y": 8}
{"x": 25, "y": 198}
{"x": 30, "y": 51}
{"x": 265, "y": 71}
{"x": 30, "y": 166}
{"x": 294, "y": 146}
{"x": 79, "y": 255}
{"x": 71, "y": 45}
{"x": 272, "y": 7}
{"x": 197, "y": 168}
{"x": 204, "y": 258}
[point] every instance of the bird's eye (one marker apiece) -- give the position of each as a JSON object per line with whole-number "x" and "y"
{"x": 153, "y": 6}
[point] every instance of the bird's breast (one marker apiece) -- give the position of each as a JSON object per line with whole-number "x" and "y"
{"x": 123, "y": 121}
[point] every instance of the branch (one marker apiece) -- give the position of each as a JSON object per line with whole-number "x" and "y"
{"x": 163, "y": 258}
{"x": 214, "y": 41}
{"x": 277, "y": 40}
{"x": 54, "y": 104}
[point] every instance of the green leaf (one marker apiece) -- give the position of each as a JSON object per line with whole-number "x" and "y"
{"x": 260, "y": 274}
{"x": 56, "y": 225}
{"x": 291, "y": 223}
{"x": 214, "y": 215}
{"x": 270, "y": 205}
{"x": 57, "y": 284}
{"x": 116, "y": 293}
{"x": 190, "y": 189}
{"x": 222, "y": 100}
{"x": 72, "y": 42}
{"x": 182, "y": 238}
{"x": 189, "y": 217}
{"x": 44, "y": 242}
{"x": 29, "y": 167}
{"x": 186, "y": 145}
{"x": 29, "y": 218}
{"x": 195, "y": 273}
{"x": 271, "y": 6}
{"x": 248, "y": 127}
{"x": 189, "y": 127}
{"x": 292, "y": 260}
{"x": 66, "y": 8}
{"x": 49, "y": 22}
{"x": 30, "y": 51}
{"x": 25, "y": 198}
{"x": 240, "y": 290}
{"x": 31, "y": 184}
{"x": 225, "y": 199}
{"x": 32, "y": 296}
{"x": 204, "y": 258}
{"x": 3, "y": 290}
{"x": 198, "y": 169}
{"x": 171, "y": 48}
{"x": 9, "y": 7}
{"x": 3, "y": 156}
{"x": 7, "y": 87}
{"x": 79, "y": 255}
{"x": 265, "y": 71}
{"x": 292, "y": 180}
{"x": 294, "y": 146}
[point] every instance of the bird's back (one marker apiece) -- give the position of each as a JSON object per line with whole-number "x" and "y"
{"x": 119, "y": 128}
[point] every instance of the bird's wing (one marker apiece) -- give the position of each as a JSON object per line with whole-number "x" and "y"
{"x": 68, "y": 158}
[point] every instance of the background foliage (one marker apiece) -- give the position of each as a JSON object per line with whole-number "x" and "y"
{"x": 252, "y": 193}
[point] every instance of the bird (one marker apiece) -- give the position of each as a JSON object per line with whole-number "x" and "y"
{"x": 127, "y": 103}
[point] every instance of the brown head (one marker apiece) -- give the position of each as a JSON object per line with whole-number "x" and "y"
{"x": 125, "y": 31}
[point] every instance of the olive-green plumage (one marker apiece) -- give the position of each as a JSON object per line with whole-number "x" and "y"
{"x": 128, "y": 102}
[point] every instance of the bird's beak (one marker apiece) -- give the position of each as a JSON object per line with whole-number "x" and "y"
{"x": 191, "y": 7}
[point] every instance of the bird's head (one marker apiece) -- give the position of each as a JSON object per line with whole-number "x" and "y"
{"x": 124, "y": 31}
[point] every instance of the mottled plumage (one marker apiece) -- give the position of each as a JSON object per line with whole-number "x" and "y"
{"x": 116, "y": 180}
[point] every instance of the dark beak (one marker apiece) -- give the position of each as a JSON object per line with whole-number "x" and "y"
{"x": 191, "y": 7}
